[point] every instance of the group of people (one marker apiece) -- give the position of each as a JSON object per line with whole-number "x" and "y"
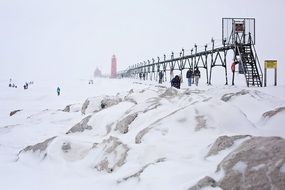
{"x": 26, "y": 85}
{"x": 13, "y": 85}
{"x": 142, "y": 76}
{"x": 190, "y": 75}
{"x": 193, "y": 76}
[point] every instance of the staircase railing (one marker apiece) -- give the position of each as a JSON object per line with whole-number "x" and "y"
{"x": 241, "y": 62}
{"x": 256, "y": 60}
{"x": 259, "y": 66}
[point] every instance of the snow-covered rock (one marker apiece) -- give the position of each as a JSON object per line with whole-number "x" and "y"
{"x": 224, "y": 142}
{"x": 169, "y": 92}
{"x": 272, "y": 113}
{"x": 255, "y": 164}
{"x": 203, "y": 183}
{"x": 81, "y": 126}
{"x": 72, "y": 108}
{"x": 110, "y": 101}
{"x": 39, "y": 148}
{"x": 123, "y": 125}
{"x": 227, "y": 97}
{"x": 166, "y": 145}
{"x": 109, "y": 155}
{"x": 96, "y": 104}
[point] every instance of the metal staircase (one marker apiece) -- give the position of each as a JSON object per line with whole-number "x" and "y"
{"x": 249, "y": 64}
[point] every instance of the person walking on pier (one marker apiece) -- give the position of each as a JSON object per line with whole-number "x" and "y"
{"x": 189, "y": 76}
{"x": 233, "y": 68}
{"x": 175, "y": 82}
{"x": 197, "y": 76}
{"x": 160, "y": 77}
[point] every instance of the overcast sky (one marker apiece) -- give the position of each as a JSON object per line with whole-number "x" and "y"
{"x": 71, "y": 38}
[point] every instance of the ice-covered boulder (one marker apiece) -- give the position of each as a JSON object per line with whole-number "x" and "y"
{"x": 140, "y": 135}
{"x": 39, "y": 148}
{"x": 169, "y": 92}
{"x": 203, "y": 183}
{"x": 109, "y": 155}
{"x": 227, "y": 97}
{"x": 123, "y": 125}
{"x": 96, "y": 104}
{"x": 258, "y": 163}
{"x": 85, "y": 106}
{"x": 59, "y": 148}
{"x": 272, "y": 113}
{"x": 109, "y": 101}
{"x": 72, "y": 108}
{"x": 224, "y": 142}
{"x": 81, "y": 126}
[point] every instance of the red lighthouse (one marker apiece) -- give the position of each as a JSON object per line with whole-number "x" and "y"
{"x": 114, "y": 67}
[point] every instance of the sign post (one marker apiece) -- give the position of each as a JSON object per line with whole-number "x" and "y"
{"x": 270, "y": 64}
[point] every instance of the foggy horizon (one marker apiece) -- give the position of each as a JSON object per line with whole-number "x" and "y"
{"x": 72, "y": 38}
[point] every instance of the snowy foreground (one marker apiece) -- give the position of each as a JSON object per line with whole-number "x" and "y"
{"x": 128, "y": 134}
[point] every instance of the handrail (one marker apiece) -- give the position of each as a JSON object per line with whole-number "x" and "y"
{"x": 244, "y": 69}
{"x": 256, "y": 59}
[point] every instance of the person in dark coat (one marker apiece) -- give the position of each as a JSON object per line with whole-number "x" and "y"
{"x": 197, "y": 76}
{"x": 160, "y": 75}
{"x": 189, "y": 76}
{"x": 58, "y": 91}
{"x": 175, "y": 82}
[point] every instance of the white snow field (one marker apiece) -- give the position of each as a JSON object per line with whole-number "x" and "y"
{"x": 129, "y": 134}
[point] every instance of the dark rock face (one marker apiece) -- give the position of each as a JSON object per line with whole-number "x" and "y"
{"x": 256, "y": 164}
{"x": 81, "y": 126}
{"x": 224, "y": 142}
{"x": 14, "y": 112}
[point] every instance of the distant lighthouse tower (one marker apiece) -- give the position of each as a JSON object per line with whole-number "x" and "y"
{"x": 114, "y": 67}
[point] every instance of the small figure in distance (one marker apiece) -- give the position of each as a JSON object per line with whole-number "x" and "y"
{"x": 175, "y": 82}
{"x": 196, "y": 76}
{"x": 58, "y": 91}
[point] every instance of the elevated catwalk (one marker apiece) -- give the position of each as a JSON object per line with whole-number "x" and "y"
{"x": 238, "y": 35}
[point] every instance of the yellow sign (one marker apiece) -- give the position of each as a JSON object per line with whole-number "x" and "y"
{"x": 270, "y": 64}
